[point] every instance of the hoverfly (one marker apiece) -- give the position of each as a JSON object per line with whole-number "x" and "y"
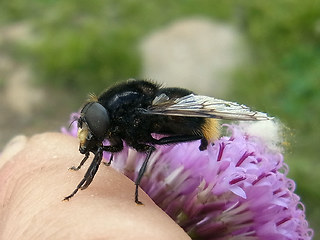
{"x": 132, "y": 111}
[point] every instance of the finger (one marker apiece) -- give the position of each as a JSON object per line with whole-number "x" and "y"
{"x": 15, "y": 145}
{"x": 37, "y": 178}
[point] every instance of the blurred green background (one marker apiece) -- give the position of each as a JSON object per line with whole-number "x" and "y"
{"x": 73, "y": 47}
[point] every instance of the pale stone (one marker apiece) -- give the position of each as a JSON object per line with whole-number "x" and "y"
{"x": 198, "y": 54}
{"x": 17, "y": 92}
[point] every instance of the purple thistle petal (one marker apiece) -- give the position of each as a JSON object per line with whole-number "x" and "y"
{"x": 73, "y": 126}
{"x": 237, "y": 189}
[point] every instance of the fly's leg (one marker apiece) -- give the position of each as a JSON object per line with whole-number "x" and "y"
{"x": 74, "y": 168}
{"x": 182, "y": 138}
{"x": 110, "y": 160}
{"x": 204, "y": 144}
{"x": 149, "y": 150}
{"x": 91, "y": 172}
{"x": 117, "y": 146}
{"x": 94, "y": 166}
{"x": 176, "y": 139}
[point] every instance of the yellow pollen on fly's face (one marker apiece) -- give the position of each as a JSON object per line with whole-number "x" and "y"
{"x": 82, "y": 135}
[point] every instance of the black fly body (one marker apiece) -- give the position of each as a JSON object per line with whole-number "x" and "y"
{"x": 131, "y": 111}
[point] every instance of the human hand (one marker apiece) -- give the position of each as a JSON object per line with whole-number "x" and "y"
{"x": 34, "y": 178}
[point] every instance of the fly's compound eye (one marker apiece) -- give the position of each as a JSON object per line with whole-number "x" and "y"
{"x": 97, "y": 119}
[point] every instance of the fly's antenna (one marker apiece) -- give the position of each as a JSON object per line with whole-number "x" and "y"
{"x": 74, "y": 117}
{"x": 71, "y": 123}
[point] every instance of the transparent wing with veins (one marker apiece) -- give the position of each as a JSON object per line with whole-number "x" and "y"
{"x": 202, "y": 106}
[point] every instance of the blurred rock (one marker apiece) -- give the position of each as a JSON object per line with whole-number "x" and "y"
{"x": 198, "y": 54}
{"x": 6, "y": 65}
{"x": 17, "y": 32}
{"x": 17, "y": 92}
{"x": 19, "y": 97}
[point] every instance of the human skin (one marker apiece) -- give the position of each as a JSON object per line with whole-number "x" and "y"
{"x": 34, "y": 178}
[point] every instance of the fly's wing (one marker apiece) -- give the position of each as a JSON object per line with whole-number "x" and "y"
{"x": 203, "y": 106}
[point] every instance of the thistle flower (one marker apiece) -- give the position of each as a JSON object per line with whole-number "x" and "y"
{"x": 237, "y": 189}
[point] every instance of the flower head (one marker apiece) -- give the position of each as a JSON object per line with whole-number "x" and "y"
{"x": 237, "y": 189}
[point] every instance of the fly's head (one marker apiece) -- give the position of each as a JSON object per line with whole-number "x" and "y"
{"x": 92, "y": 127}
